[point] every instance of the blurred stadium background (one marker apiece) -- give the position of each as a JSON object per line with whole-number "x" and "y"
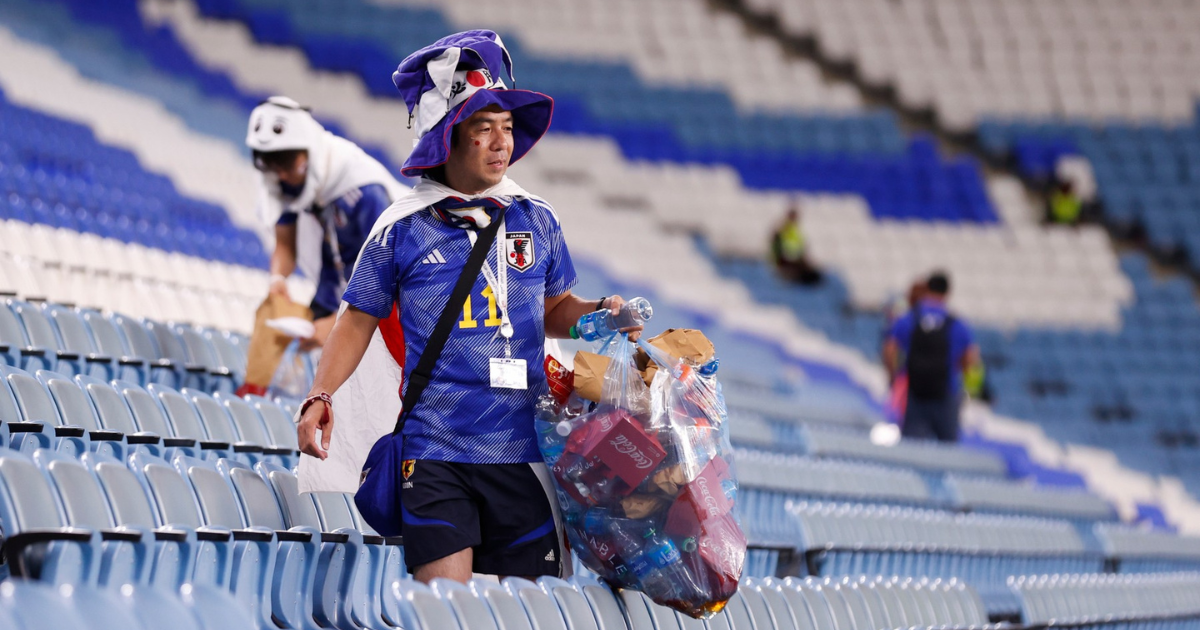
{"x": 914, "y": 135}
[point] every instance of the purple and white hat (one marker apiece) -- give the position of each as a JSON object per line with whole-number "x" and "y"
{"x": 456, "y": 76}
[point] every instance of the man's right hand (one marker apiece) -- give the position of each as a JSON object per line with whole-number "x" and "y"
{"x": 318, "y": 417}
{"x": 279, "y": 286}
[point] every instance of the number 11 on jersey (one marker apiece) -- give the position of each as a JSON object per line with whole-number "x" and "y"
{"x": 493, "y": 318}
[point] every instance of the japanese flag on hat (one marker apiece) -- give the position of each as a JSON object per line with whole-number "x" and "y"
{"x": 456, "y": 76}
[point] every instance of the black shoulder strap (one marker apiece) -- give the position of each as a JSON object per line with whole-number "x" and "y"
{"x": 418, "y": 379}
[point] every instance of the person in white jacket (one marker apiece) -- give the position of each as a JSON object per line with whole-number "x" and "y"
{"x": 322, "y": 194}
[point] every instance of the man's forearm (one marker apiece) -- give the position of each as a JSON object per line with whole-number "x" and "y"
{"x": 344, "y": 349}
{"x": 564, "y": 315}
{"x": 283, "y": 259}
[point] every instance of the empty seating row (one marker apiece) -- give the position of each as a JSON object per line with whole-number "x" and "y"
{"x": 84, "y": 341}
{"x": 1109, "y": 599}
{"x": 930, "y": 456}
{"x": 803, "y": 478}
{"x": 810, "y": 478}
{"x": 150, "y": 523}
{"x": 980, "y": 495}
{"x": 846, "y": 539}
{"x": 1135, "y": 550}
{"x": 41, "y": 262}
{"x": 84, "y": 414}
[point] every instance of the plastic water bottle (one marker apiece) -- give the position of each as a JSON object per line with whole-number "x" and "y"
{"x": 662, "y": 573}
{"x": 552, "y": 433}
{"x": 602, "y": 324}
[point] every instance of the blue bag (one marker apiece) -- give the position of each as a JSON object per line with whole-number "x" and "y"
{"x": 378, "y": 497}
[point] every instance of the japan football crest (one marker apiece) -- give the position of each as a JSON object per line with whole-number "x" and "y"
{"x": 519, "y": 250}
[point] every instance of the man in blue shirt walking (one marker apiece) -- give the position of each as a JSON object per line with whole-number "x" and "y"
{"x": 475, "y": 496}
{"x": 934, "y": 349}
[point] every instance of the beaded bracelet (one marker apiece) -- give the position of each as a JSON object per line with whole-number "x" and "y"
{"x": 323, "y": 397}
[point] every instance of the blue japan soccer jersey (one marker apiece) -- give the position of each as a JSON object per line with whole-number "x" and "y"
{"x": 460, "y": 417}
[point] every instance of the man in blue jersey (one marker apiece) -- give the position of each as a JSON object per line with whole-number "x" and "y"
{"x": 322, "y": 193}
{"x": 934, "y": 349}
{"x": 475, "y": 495}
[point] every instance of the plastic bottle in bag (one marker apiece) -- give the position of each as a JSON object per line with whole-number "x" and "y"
{"x": 602, "y": 324}
{"x": 552, "y": 432}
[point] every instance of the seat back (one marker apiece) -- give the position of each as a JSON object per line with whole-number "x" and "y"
{"x": 199, "y": 350}
{"x": 73, "y": 404}
{"x": 171, "y": 495}
{"x": 538, "y": 605}
{"x": 216, "y": 421}
{"x": 185, "y": 422}
{"x": 420, "y": 608}
{"x": 148, "y": 416}
{"x": 127, "y": 498}
{"x": 258, "y": 501}
{"x": 334, "y": 510}
{"x": 471, "y": 611}
{"x": 71, "y": 329}
{"x": 110, "y": 407}
{"x": 781, "y": 611}
{"x": 137, "y": 340}
{"x": 26, "y": 498}
{"x": 12, "y": 332}
{"x": 104, "y": 334}
{"x": 280, "y": 427}
{"x": 40, "y": 333}
{"x": 79, "y": 492}
{"x": 298, "y": 509}
{"x": 169, "y": 345}
{"x": 32, "y": 398}
{"x": 508, "y": 612}
{"x": 248, "y": 422}
{"x": 9, "y": 411}
{"x": 602, "y": 601}
{"x": 227, "y": 353}
{"x": 214, "y": 494}
{"x": 571, "y": 603}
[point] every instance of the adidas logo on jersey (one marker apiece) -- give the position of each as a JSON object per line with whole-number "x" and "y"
{"x": 550, "y": 556}
{"x": 434, "y": 258}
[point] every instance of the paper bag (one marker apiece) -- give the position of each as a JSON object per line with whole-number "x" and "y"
{"x": 685, "y": 343}
{"x": 266, "y": 343}
{"x": 589, "y": 374}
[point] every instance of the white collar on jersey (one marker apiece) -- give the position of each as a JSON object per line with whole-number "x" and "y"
{"x": 428, "y": 192}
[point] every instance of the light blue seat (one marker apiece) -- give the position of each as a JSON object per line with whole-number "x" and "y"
{"x": 420, "y": 609}
{"x": 28, "y": 503}
{"x": 542, "y": 610}
{"x": 109, "y": 342}
{"x": 505, "y": 609}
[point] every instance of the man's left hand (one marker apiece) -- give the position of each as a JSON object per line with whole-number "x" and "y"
{"x": 614, "y": 304}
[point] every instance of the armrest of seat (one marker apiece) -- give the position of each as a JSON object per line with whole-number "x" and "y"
{"x": 131, "y": 361}
{"x": 25, "y": 427}
{"x": 179, "y": 442}
{"x": 195, "y": 369}
{"x": 330, "y": 537}
{"x": 246, "y": 447}
{"x": 12, "y": 552}
{"x": 143, "y": 438}
{"x": 65, "y": 355}
{"x": 293, "y": 536}
{"x": 98, "y": 358}
{"x": 252, "y": 535}
{"x": 69, "y": 431}
{"x": 106, "y": 436}
{"x": 278, "y": 450}
{"x": 213, "y": 535}
{"x": 220, "y": 371}
{"x": 30, "y": 351}
{"x": 213, "y": 446}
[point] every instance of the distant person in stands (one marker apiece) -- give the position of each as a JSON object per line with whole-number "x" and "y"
{"x": 1065, "y": 207}
{"x": 933, "y": 348}
{"x": 322, "y": 193}
{"x": 789, "y": 251}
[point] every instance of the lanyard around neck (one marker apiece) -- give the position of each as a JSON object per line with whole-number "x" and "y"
{"x": 498, "y": 281}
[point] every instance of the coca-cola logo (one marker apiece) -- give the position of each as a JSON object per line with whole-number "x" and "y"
{"x": 711, "y": 505}
{"x": 625, "y": 447}
{"x": 606, "y": 422}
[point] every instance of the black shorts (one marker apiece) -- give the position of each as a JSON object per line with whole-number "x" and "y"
{"x": 501, "y": 511}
